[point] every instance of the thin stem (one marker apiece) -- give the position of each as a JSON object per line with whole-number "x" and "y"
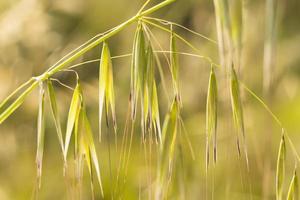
{"x": 178, "y": 36}
{"x": 263, "y": 104}
{"x": 15, "y": 92}
{"x": 144, "y": 5}
{"x": 130, "y": 54}
{"x": 17, "y": 102}
{"x": 98, "y": 60}
{"x": 165, "y": 22}
{"x": 275, "y": 118}
{"x": 61, "y": 83}
{"x": 192, "y": 55}
{"x": 78, "y": 48}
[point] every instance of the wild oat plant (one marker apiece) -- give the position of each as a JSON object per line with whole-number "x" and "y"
{"x": 161, "y": 138}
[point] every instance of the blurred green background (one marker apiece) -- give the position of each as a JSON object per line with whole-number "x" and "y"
{"x": 36, "y": 33}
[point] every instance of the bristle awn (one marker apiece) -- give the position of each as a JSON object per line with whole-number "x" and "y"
{"x": 293, "y": 192}
{"x": 237, "y": 111}
{"x": 40, "y": 133}
{"x": 169, "y": 134}
{"x": 280, "y": 172}
{"x": 122, "y": 153}
{"x": 73, "y": 115}
{"x": 132, "y": 127}
{"x": 185, "y": 134}
{"x": 211, "y": 116}
{"x": 174, "y": 63}
{"x": 55, "y": 114}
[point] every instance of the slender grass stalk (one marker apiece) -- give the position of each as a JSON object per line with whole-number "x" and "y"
{"x": 17, "y": 103}
{"x": 15, "y": 92}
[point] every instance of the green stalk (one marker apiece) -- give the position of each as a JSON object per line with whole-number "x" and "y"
{"x": 52, "y": 70}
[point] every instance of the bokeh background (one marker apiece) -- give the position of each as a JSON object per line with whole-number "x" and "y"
{"x": 36, "y": 33}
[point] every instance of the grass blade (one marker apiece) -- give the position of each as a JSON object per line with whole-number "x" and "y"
{"x": 54, "y": 110}
{"x": 40, "y": 133}
{"x": 280, "y": 168}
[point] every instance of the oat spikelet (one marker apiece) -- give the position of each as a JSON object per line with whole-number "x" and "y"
{"x": 211, "y": 117}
